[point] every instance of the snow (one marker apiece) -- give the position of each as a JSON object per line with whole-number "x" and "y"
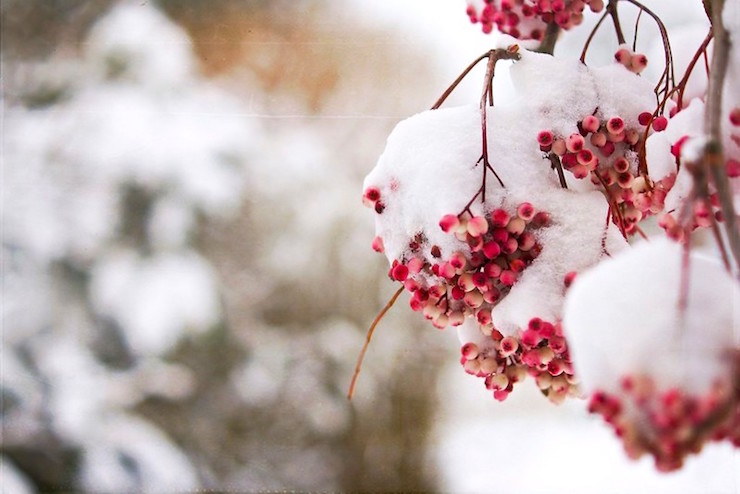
{"x": 157, "y": 299}
{"x": 616, "y": 330}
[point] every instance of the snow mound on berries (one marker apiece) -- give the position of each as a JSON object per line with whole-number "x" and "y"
{"x": 616, "y": 329}
{"x": 430, "y": 168}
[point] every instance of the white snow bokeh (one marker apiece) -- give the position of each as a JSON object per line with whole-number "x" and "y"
{"x": 623, "y": 317}
{"x": 137, "y": 121}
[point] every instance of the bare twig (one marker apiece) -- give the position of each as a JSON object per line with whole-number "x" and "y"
{"x": 369, "y": 336}
{"x": 547, "y": 45}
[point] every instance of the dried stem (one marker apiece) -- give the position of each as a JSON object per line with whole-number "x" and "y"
{"x": 547, "y": 45}
{"x": 369, "y": 336}
{"x": 713, "y": 158}
{"x": 459, "y": 79}
{"x": 558, "y": 166}
{"x": 611, "y": 8}
{"x": 591, "y": 36}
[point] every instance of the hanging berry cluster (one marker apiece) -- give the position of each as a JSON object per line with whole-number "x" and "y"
{"x": 540, "y": 351}
{"x": 608, "y": 152}
{"x": 494, "y": 251}
{"x": 701, "y": 212}
{"x": 528, "y": 19}
{"x": 670, "y": 424}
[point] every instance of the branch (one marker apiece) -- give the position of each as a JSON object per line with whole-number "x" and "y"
{"x": 713, "y": 153}
{"x": 547, "y": 45}
{"x": 369, "y": 336}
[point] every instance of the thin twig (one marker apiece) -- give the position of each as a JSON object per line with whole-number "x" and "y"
{"x": 591, "y": 36}
{"x": 459, "y": 79}
{"x": 612, "y": 9}
{"x": 369, "y": 336}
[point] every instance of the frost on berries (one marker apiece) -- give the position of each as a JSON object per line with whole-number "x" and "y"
{"x": 661, "y": 364}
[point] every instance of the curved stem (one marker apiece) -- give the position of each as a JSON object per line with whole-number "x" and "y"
{"x": 612, "y": 9}
{"x": 459, "y": 79}
{"x": 369, "y": 336}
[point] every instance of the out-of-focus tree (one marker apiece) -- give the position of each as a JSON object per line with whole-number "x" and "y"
{"x": 183, "y": 294}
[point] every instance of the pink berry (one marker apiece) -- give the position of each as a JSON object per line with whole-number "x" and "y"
{"x": 526, "y": 241}
{"x": 378, "y": 245}
{"x": 644, "y": 118}
{"x": 469, "y": 351}
{"x": 477, "y": 226}
{"x": 615, "y": 125}
{"x": 399, "y": 272}
{"x": 598, "y": 139}
{"x": 516, "y": 226}
{"x": 371, "y": 196}
{"x": 415, "y": 265}
{"x": 525, "y": 211}
{"x": 449, "y": 222}
{"x": 558, "y": 147}
{"x": 590, "y": 124}
{"x": 499, "y": 217}
{"x": 596, "y": 5}
{"x": 660, "y": 124}
{"x": 508, "y": 346}
{"x": 621, "y": 165}
{"x": 569, "y": 278}
{"x": 585, "y": 157}
{"x": 545, "y": 138}
{"x": 735, "y": 116}
{"x": 733, "y": 168}
{"x": 623, "y": 56}
{"x": 491, "y": 249}
{"x": 638, "y": 62}
{"x": 541, "y": 219}
{"x": 508, "y": 277}
{"x": 607, "y": 149}
{"x": 574, "y": 143}
{"x": 492, "y": 270}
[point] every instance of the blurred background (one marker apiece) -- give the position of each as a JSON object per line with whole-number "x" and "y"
{"x": 187, "y": 274}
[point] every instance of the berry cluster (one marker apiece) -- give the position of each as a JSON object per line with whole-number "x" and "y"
{"x": 634, "y": 62}
{"x": 528, "y": 19}
{"x": 703, "y": 212}
{"x": 669, "y": 424}
{"x": 608, "y": 153}
{"x": 540, "y": 351}
{"x": 472, "y": 280}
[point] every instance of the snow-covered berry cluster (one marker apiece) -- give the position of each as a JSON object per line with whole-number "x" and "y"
{"x": 608, "y": 152}
{"x": 528, "y": 19}
{"x": 703, "y": 210}
{"x": 540, "y": 351}
{"x": 494, "y": 250}
{"x": 670, "y": 424}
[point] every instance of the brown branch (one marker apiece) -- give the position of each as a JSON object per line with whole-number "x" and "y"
{"x": 369, "y": 336}
{"x": 459, "y": 79}
{"x": 713, "y": 153}
{"x": 547, "y": 45}
{"x": 558, "y": 166}
{"x": 591, "y": 36}
{"x": 612, "y": 9}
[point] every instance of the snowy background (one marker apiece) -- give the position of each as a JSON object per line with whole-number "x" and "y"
{"x": 187, "y": 273}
